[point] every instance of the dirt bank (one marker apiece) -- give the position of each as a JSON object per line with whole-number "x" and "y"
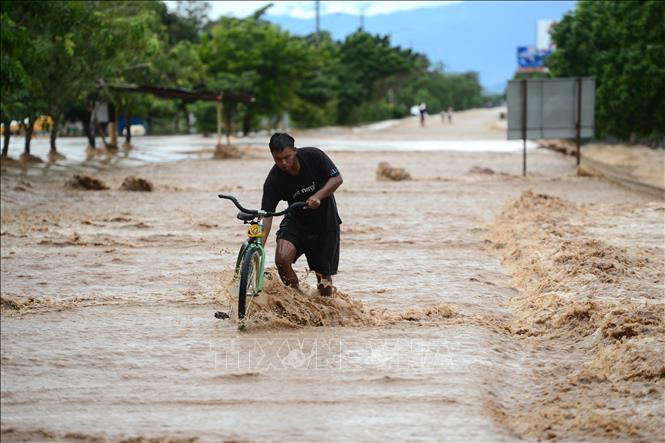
{"x": 639, "y": 167}
{"x": 595, "y": 293}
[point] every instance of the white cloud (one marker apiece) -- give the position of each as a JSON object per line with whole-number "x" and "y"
{"x": 296, "y": 9}
{"x": 307, "y": 9}
{"x": 370, "y": 8}
{"x": 238, "y": 9}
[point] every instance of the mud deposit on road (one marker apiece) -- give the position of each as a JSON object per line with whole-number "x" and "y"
{"x": 108, "y": 302}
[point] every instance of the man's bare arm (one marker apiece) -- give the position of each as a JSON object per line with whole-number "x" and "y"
{"x": 267, "y": 224}
{"x": 331, "y": 186}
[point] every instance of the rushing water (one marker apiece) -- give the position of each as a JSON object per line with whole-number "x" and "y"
{"x": 158, "y": 149}
{"x": 108, "y": 300}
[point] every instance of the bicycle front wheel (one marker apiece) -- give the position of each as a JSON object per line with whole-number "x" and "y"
{"x": 241, "y": 254}
{"x": 249, "y": 279}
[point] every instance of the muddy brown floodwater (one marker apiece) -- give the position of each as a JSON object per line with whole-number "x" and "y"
{"x": 471, "y": 305}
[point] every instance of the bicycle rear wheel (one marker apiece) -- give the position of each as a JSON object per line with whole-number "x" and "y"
{"x": 249, "y": 279}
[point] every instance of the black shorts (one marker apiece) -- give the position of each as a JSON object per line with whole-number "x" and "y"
{"x": 320, "y": 248}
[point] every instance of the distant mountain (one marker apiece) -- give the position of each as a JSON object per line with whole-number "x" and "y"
{"x": 468, "y": 36}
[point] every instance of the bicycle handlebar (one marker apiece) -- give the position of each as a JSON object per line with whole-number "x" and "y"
{"x": 259, "y": 212}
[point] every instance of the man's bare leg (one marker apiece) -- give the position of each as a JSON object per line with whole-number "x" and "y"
{"x": 284, "y": 256}
{"x": 324, "y": 284}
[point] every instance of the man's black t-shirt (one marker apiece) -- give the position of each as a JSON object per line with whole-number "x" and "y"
{"x": 316, "y": 168}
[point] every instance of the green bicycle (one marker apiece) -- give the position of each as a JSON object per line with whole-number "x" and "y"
{"x": 250, "y": 263}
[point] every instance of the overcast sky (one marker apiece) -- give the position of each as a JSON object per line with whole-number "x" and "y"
{"x": 306, "y": 9}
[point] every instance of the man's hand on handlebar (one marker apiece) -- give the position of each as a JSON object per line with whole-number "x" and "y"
{"x": 313, "y": 202}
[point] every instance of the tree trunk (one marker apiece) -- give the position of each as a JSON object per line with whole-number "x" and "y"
{"x": 128, "y": 128}
{"x": 176, "y": 120}
{"x": 28, "y": 135}
{"x": 6, "y": 136}
{"x": 227, "y": 123}
{"x": 54, "y": 132}
{"x": 113, "y": 135}
{"x": 246, "y": 124}
{"x": 101, "y": 132}
{"x": 112, "y": 128}
{"x": 92, "y": 129}
{"x": 188, "y": 124}
{"x": 218, "y": 106}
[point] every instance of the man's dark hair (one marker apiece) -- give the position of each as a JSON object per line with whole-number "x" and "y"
{"x": 281, "y": 140}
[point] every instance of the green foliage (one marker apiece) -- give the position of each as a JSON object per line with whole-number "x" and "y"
{"x": 256, "y": 57}
{"x": 368, "y": 66}
{"x": 527, "y": 75}
{"x": 186, "y": 23}
{"x": 205, "y": 114}
{"x": 317, "y": 97}
{"x": 55, "y": 53}
{"x": 160, "y": 115}
{"x": 65, "y": 47}
{"x": 439, "y": 90}
{"x": 14, "y": 79}
{"x": 23, "y": 54}
{"x": 493, "y": 100}
{"x": 622, "y": 44}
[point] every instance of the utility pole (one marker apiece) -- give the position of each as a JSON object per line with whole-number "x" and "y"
{"x": 318, "y": 24}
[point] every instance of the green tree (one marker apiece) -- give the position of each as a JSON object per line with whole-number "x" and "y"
{"x": 178, "y": 63}
{"x": 621, "y": 44}
{"x": 256, "y": 57}
{"x": 186, "y": 23}
{"x": 66, "y": 48}
{"x": 140, "y": 44}
{"x": 318, "y": 94}
{"x": 440, "y": 89}
{"x": 179, "y": 66}
{"x": 366, "y": 64}
{"x": 23, "y": 51}
{"x": 71, "y": 58}
{"x": 14, "y": 79}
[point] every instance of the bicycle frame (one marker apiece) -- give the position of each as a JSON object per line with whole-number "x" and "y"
{"x": 253, "y": 242}
{"x": 255, "y": 232}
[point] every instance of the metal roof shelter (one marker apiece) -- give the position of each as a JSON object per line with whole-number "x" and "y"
{"x": 219, "y": 97}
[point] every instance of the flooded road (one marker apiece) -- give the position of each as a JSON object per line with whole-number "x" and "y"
{"x": 108, "y": 298}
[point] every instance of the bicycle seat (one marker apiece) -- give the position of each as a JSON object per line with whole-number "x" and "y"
{"x": 245, "y": 216}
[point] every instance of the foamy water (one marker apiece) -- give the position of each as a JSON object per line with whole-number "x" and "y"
{"x": 159, "y": 149}
{"x": 108, "y": 302}
{"x": 147, "y": 149}
{"x": 419, "y": 145}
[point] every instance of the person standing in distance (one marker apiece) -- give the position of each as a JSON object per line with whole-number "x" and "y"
{"x": 303, "y": 175}
{"x": 423, "y": 112}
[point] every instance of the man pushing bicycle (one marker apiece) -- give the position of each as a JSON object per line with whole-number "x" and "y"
{"x": 303, "y": 175}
